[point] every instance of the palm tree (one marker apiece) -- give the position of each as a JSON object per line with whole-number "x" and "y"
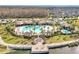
{"x": 48, "y": 28}
{"x": 34, "y": 29}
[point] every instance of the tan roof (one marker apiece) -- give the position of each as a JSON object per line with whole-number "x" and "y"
{"x": 23, "y": 22}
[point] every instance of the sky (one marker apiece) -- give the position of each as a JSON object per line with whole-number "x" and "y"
{"x": 39, "y": 2}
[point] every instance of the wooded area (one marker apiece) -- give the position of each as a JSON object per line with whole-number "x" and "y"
{"x": 23, "y": 12}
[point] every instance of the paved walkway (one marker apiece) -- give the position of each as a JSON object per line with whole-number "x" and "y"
{"x": 39, "y": 47}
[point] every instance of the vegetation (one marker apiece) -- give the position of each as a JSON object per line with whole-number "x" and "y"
{"x": 22, "y": 12}
{"x": 62, "y": 38}
{"x": 8, "y": 38}
{"x": 73, "y": 44}
{"x": 4, "y": 50}
{"x": 58, "y": 38}
{"x": 7, "y": 33}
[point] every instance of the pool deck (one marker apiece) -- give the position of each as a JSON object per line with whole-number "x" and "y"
{"x": 24, "y": 31}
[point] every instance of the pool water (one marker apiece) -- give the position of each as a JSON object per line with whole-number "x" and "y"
{"x": 38, "y": 29}
{"x": 34, "y": 28}
{"x": 65, "y": 31}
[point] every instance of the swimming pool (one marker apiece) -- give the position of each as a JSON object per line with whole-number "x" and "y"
{"x": 33, "y": 28}
{"x": 25, "y": 28}
{"x": 38, "y": 29}
{"x": 65, "y": 31}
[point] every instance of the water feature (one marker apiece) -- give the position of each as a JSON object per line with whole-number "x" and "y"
{"x": 38, "y": 29}
{"x": 26, "y": 28}
{"x": 63, "y": 50}
{"x": 65, "y": 31}
{"x": 34, "y": 28}
{"x": 20, "y": 52}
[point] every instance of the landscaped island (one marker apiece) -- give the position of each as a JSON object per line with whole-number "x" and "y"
{"x": 37, "y": 29}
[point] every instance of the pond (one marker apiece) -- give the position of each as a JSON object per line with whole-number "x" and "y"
{"x": 63, "y": 50}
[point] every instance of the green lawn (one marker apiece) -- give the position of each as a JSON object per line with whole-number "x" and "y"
{"x": 8, "y": 38}
{"x": 58, "y": 38}
{"x": 4, "y": 51}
